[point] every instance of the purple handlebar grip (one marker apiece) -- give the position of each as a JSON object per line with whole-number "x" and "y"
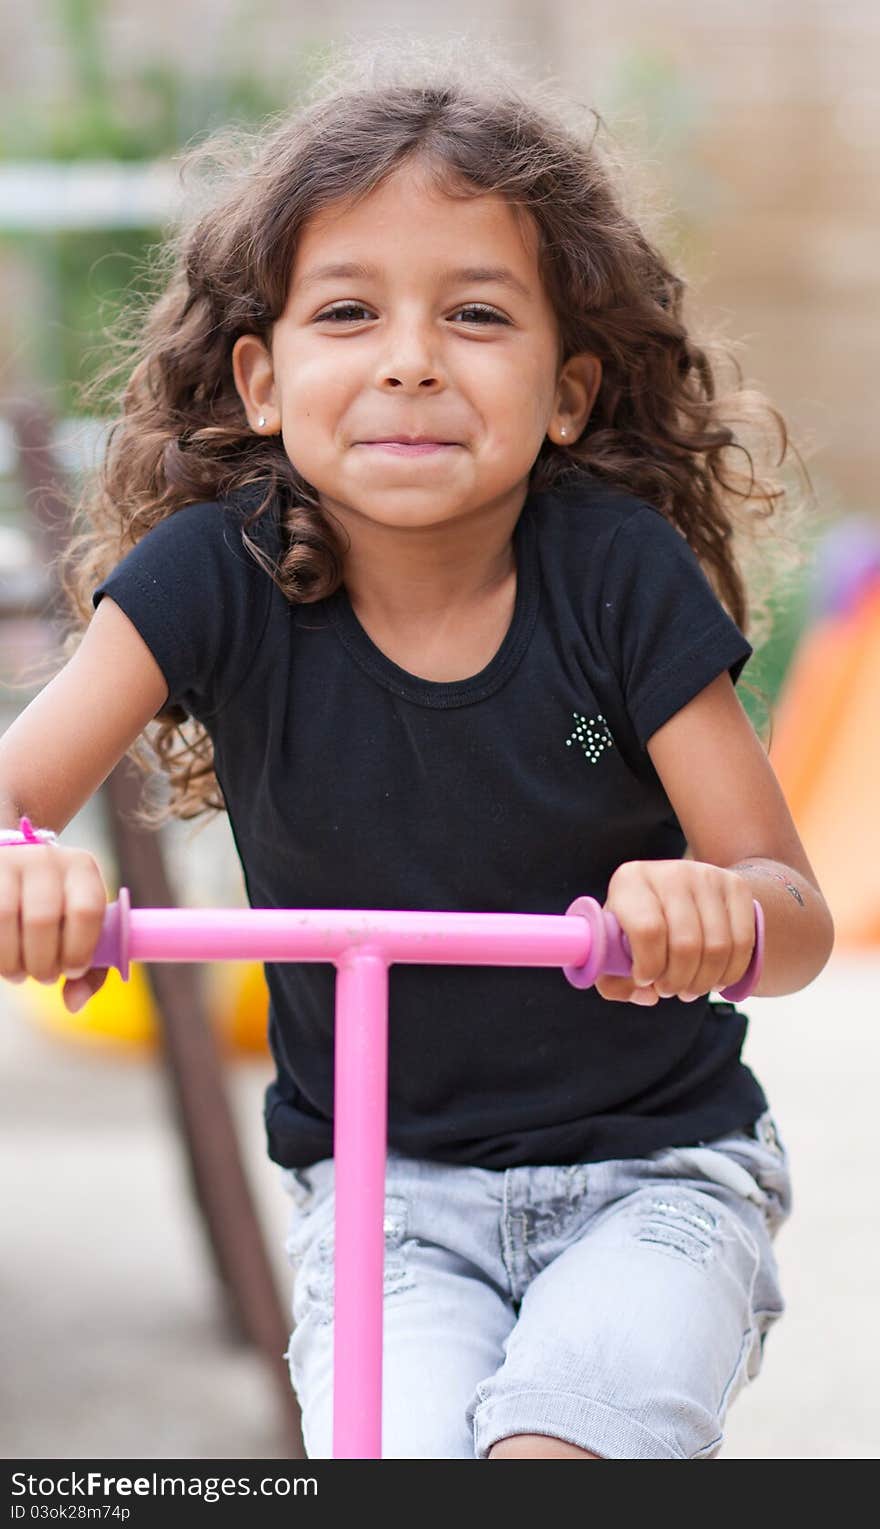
{"x": 611, "y": 954}
{"x": 113, "y": 941}
{"x": 605, "y": 953}
{"x": 752, "y": 974}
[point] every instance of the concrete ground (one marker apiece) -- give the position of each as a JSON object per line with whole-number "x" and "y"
{"x": 113, "y": 1334}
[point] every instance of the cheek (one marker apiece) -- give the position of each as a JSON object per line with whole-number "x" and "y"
{"x": 316, "y": 404}
{"x": 521, "y": 421}
{"x": 314, "y": 383}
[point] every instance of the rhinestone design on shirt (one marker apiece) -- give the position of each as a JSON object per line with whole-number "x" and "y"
{"x": 593, "y": 734}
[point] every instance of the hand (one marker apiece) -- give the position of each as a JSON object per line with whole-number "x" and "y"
{"x": 52, "y": 906}
{"x": 690, "y": 925}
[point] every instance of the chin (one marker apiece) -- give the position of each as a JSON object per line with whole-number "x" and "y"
{"x": 394, "y": 504}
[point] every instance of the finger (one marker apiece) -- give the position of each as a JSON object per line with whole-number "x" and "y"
{"x": 76, "y": 993}
{"x": 42, "y": 905}
{"x": 717, "y": 938}
{"x": 741, "y": 914}
{"x": 85, "y": 904}
{"x": 641, "y": 916}
{"x": 622, "y": 990}
{"x": 691, "y": 918}
{"x": 10, "y": 926}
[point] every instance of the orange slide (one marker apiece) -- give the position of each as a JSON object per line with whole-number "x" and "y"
{"x": 825, "y": 749}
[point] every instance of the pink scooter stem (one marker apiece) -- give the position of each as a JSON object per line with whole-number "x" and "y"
{"x": 362, "y": 944}
{"x": 360, "y": 1114}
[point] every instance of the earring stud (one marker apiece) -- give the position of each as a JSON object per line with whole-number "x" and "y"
{"x": 261, "y": 420}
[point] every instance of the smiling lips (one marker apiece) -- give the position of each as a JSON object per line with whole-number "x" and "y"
{"x": 410, "y": 446}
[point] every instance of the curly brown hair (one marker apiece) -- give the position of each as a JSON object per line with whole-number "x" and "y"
{"x": 666, "y": 425}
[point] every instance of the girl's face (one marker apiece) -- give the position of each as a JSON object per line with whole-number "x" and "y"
{"x": 414, "y": 314}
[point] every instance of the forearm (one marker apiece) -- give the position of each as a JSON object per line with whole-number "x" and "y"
{"x": 799, "y": 931}
{"x": 10, "y": 815}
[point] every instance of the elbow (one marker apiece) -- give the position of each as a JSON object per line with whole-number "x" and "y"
{"x": 800, "y": 957}
{"x": 821, "y": 945}
{"x": 830, "y": 935}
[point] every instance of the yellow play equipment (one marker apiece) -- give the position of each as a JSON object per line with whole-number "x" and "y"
{"x": 121, "y": 1015}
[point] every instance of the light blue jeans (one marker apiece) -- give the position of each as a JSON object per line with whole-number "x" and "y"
{"x": 617, "y": 1305}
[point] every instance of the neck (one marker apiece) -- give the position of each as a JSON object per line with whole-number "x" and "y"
{"x": 416, "y": 574}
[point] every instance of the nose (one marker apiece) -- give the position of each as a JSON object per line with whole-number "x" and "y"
{"x": 401, "y": 382}
{"x": 409, "y": 360}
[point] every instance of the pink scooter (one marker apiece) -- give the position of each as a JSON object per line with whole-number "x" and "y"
{"x": 362, "y": 944}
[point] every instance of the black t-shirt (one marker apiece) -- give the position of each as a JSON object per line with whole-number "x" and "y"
{"x": 350, "y": 783}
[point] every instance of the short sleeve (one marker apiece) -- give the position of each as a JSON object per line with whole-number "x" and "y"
{"x": 666, "y": 630}
{"x": 200, "y": 601}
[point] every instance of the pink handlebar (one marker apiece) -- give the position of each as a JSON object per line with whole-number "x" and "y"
{"x": 586, "y": 941}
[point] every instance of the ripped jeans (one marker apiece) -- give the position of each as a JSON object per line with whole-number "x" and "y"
{"x": 618, "y": 1305}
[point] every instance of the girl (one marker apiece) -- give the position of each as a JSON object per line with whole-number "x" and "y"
{"x": 412, "y": 549}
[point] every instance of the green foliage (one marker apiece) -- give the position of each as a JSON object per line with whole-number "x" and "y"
{"x": 150, "y": 112}
{"x": 766, "y": 670}
{"x": 142, "y": 114}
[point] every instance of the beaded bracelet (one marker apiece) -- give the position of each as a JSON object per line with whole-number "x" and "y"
{"x": 26, "y": 834}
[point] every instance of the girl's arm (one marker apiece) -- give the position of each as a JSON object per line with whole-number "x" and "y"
{"x": 733, "y": 813}
{"x": 53, "y": 758}
{"x": 65, "y": 743}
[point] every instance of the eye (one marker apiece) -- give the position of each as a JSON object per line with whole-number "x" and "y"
{"x": 483, "y": 311}
{"x": 340, "y": 309}
{"x": 344, "y": 311}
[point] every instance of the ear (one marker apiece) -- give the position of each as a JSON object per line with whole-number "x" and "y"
{"x": 576, "y": 393}
{"x": 254, "y": 378}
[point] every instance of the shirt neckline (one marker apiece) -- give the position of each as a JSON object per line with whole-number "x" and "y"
{"x": 476, "y": 687}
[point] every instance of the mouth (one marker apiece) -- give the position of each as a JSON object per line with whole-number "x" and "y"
{"x": 410, "y": 448}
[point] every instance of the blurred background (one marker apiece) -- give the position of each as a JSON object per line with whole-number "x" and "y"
{"x": 133, "y": 1325}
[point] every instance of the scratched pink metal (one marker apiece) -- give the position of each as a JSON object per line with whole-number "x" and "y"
{"x": 362, "y": 943}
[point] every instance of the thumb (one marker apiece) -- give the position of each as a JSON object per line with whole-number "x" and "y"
{"x": 77, "y": 991}
{"x": 624, "y": 990}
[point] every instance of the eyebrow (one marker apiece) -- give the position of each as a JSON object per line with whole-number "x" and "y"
{"x": 468, "y": 273}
